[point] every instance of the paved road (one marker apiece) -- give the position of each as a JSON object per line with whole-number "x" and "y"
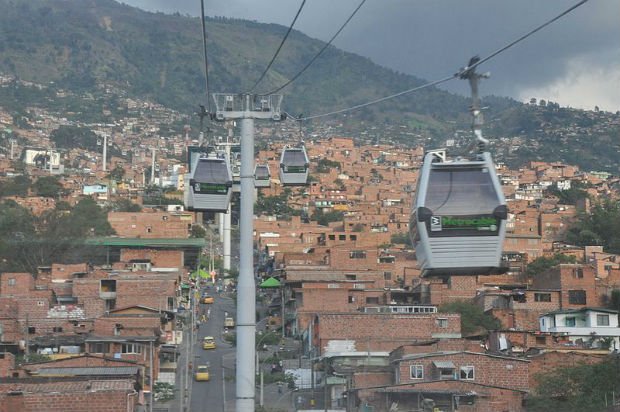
{"x": 210, "y": 396}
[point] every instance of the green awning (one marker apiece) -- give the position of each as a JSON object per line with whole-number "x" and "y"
{"x": 270, "y": 283}
{"x": 200, "y": 273}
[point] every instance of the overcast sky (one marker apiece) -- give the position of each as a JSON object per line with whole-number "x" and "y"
{"x": 575, "y": 61}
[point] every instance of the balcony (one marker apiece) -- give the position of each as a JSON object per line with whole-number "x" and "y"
{"x": 107, "y": 295}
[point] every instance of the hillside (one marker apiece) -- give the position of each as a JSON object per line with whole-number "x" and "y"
{"x": 100, "y": 51}
{"x": 78, "y": 44}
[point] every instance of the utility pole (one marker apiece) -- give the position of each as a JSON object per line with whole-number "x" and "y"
{"x": 152, "y": 165}
{"x": 246, "y": 107}
{"x": 225, "y": 218}
{"x": 105, "y": 152}
{"x": 12, "y": 148}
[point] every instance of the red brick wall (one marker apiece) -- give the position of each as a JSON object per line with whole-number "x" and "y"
{"x": 158, "y": 258}
{"x": 100, "y": 401}
{"x": 7, "y": 363}
{"x": 549, "y": 361}
{"x": 488, "y": 370}
{"x": 23, "y": 284}
{"x": 151, "y": 224}
{"x": 383, "y": 332}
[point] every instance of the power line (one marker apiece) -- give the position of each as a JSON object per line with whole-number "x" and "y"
{"x": 320, "y": 51}
{"x": 204, "y": 46}
{"x": 262, "y": 76}
{"x": 461, "y": 72}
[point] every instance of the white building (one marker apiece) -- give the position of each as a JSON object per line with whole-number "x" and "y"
{"x": 595, "y": 327}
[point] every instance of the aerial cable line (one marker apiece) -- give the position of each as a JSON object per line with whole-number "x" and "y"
{"x": 359, "y": 106}
{"x": 320, "y": 51}
{"x": 460, "y": 73}
{"x": 204, "y": 45}
{"x": 290, "y": 28}
{"x": 528, "y": 34}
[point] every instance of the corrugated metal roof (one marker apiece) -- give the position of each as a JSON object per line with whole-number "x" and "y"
{"x": 444, "y": 364}
{"x": 91, "y": 371}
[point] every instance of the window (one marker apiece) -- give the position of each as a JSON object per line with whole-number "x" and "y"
{"x": 541, "y": 340}
{"x": 542, "y": 297}
{"x": 11, "y": 281}
{"x": 57, "y": 329}
{"x": 331, "y": 237}
{"x": 342, "y": 237}
{"x": 32, "y": 330}
{"x": 602, "y": 320}
{"x": 577, "y": 297}
{"x": 131, "y": 348}
{"x": 350, "y": 277}
{"x": 569, "y": 321}
{"x": 357, "y": 254}
{"x": 417, "y": 371}
{"x": 99, "y": 347}
{"x": 372, "y": 300}
{"x": 578, "y": 273}
{"x": 387, "y": 275}
{"x": 333, "y": 286}
{"x": 351, "y": 299}
{"x": 442, "y": 322}
{"x": 467, "y": 373}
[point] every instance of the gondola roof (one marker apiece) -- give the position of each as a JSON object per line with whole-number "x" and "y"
{"x": 212, "y": 171}
{"x": 262, "y": 171}
{"x": 294, "y": 157}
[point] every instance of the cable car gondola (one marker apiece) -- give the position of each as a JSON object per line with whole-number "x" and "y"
{"x": 294, "y": 166}
{"x": 262, "y": 176}
{"x": 208, "y": 186}
{"x": 458, "y": 223}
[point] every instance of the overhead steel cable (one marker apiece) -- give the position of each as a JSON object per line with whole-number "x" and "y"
{"x": 359, "y": 106}
{"x": 528, "y": 34}
{"x": 290, "y": 28}
{"x": 320, "y": 51}
{"x": 456, "y": 75}
{"x": 204, "y": 46}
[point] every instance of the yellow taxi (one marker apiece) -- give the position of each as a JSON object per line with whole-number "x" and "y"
{"x": 207, "y": 299}
{"x": 202, "y": 373}
{"x": 208, "y": 342}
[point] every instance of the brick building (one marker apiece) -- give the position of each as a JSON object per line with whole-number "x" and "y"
{"x": 380, "y": 331}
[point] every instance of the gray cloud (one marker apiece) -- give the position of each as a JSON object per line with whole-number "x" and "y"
{"x": 432, "y": 39}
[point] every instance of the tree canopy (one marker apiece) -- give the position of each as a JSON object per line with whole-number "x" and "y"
{"x": 577, "y": 389}
{"x": 473, "y": 319}
{"x": 600, "y": 227}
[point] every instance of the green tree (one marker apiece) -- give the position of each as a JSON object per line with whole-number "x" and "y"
{"x": 197, "y": 231}
{"x": 87, "y": 219}
{"x": 600, "y": 227}
{"x": 581, "y": 388}
{"x": 18, "y": 186}
{"x": 473, "y": 319}
{"x": 125, "y": 205}
{"x": 325, "y": 218}
{"x": 543, "y": 263}
{"x": 47, "y": 186}
{"x": 117, "y": 174}
{"x": 402, "y": 238}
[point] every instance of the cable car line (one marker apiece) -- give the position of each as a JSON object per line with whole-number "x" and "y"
{"x": 292, "y": 79}
{"x": 528, "y": 34}
{"x": 460, "y": 73}
{"x": 303, "y": 3}
{"x": 204, "y": 46}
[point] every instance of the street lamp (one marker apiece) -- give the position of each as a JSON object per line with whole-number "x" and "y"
{"x": 258, "y": 364}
